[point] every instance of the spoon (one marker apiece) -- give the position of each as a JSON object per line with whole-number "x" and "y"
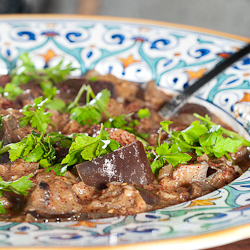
{"x": 171, "y": 107}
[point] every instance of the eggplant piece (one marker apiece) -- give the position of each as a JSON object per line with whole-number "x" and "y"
{"x": 190, "y": 108}
{"x": 184, "y": 117}
{"x": 127, "y": 164}
{"x": 4, "y": 158}
{"x": 148, "y": 196}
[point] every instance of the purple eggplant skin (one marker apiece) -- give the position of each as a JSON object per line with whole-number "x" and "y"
{"x": 128, "y": 164}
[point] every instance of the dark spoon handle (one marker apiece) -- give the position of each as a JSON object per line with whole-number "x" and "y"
{"x": 170, "y": 108}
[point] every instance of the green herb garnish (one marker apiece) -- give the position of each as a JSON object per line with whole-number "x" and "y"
{"x": 126, "y": 122}
{"x": 36, "y": 116}
{"x": 231, "y": 134}
{"x": 27, "y": 72}
{"x": 11, "y": 91}
{"x": 203, "y": 137}
{"x": 19, "y": 186}
{"x": 33, "y": 148}
{"x": 143, "y": 113}
{"x": 166, "y": 154}
{"x": 90, "y": 113}
{"x": 86, "y": 148}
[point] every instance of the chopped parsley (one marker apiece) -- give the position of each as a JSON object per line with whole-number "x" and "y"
{"x": 126, "y": 122}
{"x": 11, "y": 91}
{"x": 201, "y": 137}
{"x": 19, "y": 186}
{"x": 39, "y": 148}
{"x": 33, "y": 148}
{"x": 86, "y": 148}
{"x": 36, "y": 116}
{"x": 143, "y": 113}
{"x": 90, "y": 113}
{"x": 204, "y": 138}
{"x": 27, "y": 72}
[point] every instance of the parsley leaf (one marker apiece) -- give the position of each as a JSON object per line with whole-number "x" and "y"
{"x": 90, "y": 113}
{"x": 143, "y": 113}
{"x": 229, "y": 133}
{"x": 19, "y": 186}
{"x": 2, "y": 210}
{"x": 33, "y": 148}
{"x": 11, "y": 91}
{"x": 192, "y": 133}
{"x": 27, "y": 72}
{"x": 168, "y": 154}
{"x": 48, "y": 89}
{"x": 203, "y": 137}
{"x": 37, "y": 148}
{"x": 36, "y": 116}
{"x": 45, "y": 77}
{"x": 126, "y": 122}
{"x": 60, "y": 140}
{"x": 57, "y": 104}
{"x": 86, "y": 148}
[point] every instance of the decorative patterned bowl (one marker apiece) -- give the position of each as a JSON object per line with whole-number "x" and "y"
{"x": 139, "y": 50}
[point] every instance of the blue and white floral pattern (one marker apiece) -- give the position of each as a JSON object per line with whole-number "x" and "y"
{"x": 174, "y": 58}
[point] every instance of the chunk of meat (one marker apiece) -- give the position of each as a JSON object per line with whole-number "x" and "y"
{"x": 11, "y": 132}
{"x": 224, "y": 172}
{"x": 166, "y": 171}
{"x": 133, "y": 107}
{"x": 74, "y": 127}
{"x": 185, "y": 174}
{"x": 31, "y": 90}
{"x": 45, "y": 176}
{"x": 121, "y": 136}
{"x": 21, "y": 168}
{"x": 6, "y": 203}
{"x": 185, "y": 117}
{"x": 155, "y": 97}
{"x": 60, "y": 120}
{"x": 145, "y": 125}
{"x": 53, "y": 197}
{"x": 171, "y": 197}
{"x": 15, "y": 170}
{"x": 13, "y": 202}
{"x": 5, "y": 103}
{"x": 114, "y": 108}
{"x": 183, "y": 183}
{"x": 84, "y": 192}
{"x": 119, "y": 199}
{"x": 10, "y": 124}
{"x": 4, "y": 79}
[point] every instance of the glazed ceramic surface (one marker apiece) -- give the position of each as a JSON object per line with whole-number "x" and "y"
{"x": 140, "y": 51}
